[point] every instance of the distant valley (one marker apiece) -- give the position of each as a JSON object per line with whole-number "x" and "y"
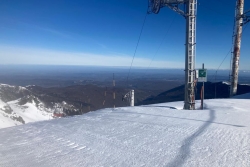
{"x": 30, "y": 94}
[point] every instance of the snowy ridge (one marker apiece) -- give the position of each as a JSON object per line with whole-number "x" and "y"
{"x": 153, "y": 135}
{"x": 226, "y": 82}
{"x": 7, "y": 116}
{"x": 12, "y": 113}
{"x": 30, "y": 111}
{"x": 18, "y": 106}
{"x": 19, "y": 88}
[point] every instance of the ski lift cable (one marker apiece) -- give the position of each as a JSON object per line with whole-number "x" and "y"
{"x": 222, "y": 63}
{"x": 226, "y": 57}
{"x": 215, "y": 74}
{"x": 232, "y": 48}
{"x": 163, "y": 39}
{"x": 246, "y": 25}
{"x": 137, "y": 45}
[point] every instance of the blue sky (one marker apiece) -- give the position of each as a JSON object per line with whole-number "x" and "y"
{"x": 105, "y": 33}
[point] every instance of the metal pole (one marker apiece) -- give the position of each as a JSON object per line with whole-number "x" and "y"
{"x": 189, "y": 102}
{"x": 114, "y": 88}
{"x": 132, "y": 98}
{"x": 215, "y": 85}
{"x": 202, "y": 96}
{"x": 105, "y": 94}
{"x": 237, "y": 44}
{"x": 203, "y": 93}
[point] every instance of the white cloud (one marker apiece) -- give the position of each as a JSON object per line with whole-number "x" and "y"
{"x": 18, "y": 55}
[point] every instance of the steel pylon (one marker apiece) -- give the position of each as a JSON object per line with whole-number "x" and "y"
{"x": 189, "y": 12}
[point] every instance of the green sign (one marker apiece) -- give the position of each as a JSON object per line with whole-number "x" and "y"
{"x": 202, "y": 75}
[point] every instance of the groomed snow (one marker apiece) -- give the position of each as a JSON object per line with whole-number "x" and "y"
{"x": 154, "y": 135}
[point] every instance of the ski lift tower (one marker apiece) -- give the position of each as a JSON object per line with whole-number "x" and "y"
{"x": 240, "y": 20}
{"x": 189, "y": 13}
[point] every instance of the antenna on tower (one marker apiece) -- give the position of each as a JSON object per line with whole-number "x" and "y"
{"x": 189, "y": 13}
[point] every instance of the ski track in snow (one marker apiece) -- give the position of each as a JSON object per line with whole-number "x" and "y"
{"x": 154, "y": 135}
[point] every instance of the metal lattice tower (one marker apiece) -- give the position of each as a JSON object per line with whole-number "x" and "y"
{"x": 191, "y": 8}
{"x": 189, "y": 12}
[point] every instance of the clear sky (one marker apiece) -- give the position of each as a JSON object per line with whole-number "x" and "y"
{"x": 97, "y": 32}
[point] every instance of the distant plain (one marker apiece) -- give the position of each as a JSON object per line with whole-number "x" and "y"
{"x": 69, "y": 81}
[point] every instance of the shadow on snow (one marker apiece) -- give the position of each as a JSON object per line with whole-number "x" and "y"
{"x": 184, "y": 151}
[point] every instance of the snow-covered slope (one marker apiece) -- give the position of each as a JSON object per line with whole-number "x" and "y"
{"x": 7, "y": 116}
{"x": 30, "y": 111}
{"x": 12, "y": 113}
{"x": 155, "y": 135}
{"x": 18, "y": 106}
{"x": 244, "y": 96}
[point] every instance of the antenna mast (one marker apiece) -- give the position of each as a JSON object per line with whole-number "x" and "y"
{"x": 189, "y": 13}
